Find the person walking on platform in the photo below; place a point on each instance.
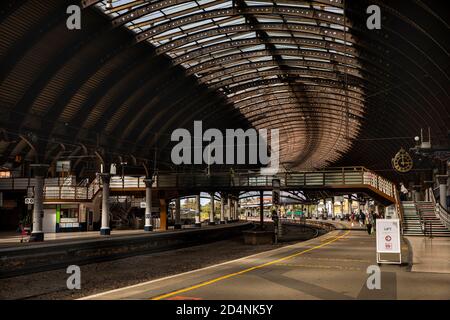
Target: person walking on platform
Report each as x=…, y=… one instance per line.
x=362, y=218
x=352, y=218
x=369, y=223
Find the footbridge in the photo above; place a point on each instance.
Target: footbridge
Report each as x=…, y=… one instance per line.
x=337, y=180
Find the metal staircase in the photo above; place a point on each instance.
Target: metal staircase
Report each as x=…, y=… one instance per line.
x=419, y=218
x=432, y=223
x=411, y=219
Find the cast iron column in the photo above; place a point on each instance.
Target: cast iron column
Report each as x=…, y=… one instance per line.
x=211, y=212
x=198, y=211
x=39, y=172
x=177, y=213
x=222, y=208
x=105, y=230
x=148, y=205
x=229, y=209
x=261, y=209
x=442, y=180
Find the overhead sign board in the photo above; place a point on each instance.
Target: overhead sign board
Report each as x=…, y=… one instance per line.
x=388, y=238
x=63, y=166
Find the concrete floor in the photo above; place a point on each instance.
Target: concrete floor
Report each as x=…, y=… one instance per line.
x=333, y=266
x=108, y=275
x=430, y=255
x=12, y=239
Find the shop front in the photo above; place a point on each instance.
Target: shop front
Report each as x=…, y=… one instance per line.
x=66, y=218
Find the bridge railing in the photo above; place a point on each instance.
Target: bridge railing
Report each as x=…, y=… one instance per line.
x=342, y=176
x=67, y=189
x=72, y=192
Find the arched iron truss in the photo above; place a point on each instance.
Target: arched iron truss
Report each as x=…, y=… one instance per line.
x=234, y=47
x=140, y=68
x=300, y=66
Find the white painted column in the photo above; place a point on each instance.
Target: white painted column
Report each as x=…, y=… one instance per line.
x=222, y=208
x=177, y=213
x=332, y=208
x=39, y=172
x=442, y=180
x=148, y=205
x=211, y=212
x=105, y=230
x=350, y=202
x=198, y=223
x=229, y=208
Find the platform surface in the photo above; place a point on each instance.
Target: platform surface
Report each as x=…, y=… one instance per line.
x=430, y=255
x=333, y=266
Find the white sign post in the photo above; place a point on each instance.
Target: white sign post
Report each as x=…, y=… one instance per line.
x=388, y=239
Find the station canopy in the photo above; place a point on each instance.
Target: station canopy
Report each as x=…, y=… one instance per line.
x=288, y=64
x=341, y=94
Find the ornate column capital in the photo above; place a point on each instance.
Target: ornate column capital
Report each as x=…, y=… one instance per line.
x=148, y=182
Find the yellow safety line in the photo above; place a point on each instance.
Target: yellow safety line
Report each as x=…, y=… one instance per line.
x=246, y=270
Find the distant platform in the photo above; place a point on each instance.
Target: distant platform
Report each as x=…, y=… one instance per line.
x=13, y=239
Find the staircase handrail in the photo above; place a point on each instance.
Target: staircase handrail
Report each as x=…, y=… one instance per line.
x=345, y=175
x=442, y=213
x=423, y=222
x=399, y=208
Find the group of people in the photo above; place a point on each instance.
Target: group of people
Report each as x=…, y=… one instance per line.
x=367, y=219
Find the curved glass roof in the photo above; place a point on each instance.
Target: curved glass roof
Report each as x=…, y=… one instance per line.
x=286, y=64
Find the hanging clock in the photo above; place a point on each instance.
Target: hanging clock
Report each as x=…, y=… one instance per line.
x=402, y=161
